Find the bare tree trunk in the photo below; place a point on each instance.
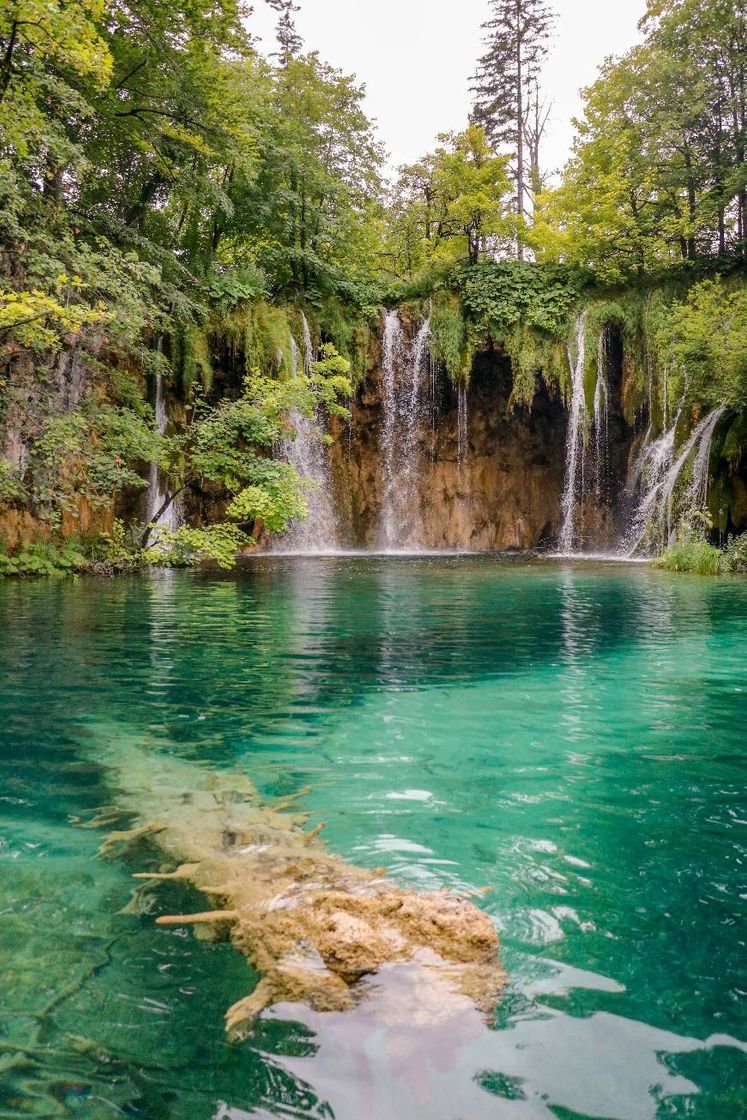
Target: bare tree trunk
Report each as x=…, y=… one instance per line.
x=519, y=132
x=6, y=67
x=168, y=500
x=691, y=204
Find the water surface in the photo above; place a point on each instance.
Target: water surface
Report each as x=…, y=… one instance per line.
x=569, y=735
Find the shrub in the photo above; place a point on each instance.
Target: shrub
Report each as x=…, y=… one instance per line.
x=734, y=556
x=43, y=558
x=690, y=554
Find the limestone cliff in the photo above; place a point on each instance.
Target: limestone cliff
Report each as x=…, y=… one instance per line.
x=498, y=486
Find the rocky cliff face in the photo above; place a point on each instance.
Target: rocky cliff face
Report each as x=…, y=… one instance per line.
x=498, y=486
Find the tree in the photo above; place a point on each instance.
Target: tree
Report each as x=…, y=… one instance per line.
x=306, y=210
x=658, y=173
x=228, y=445
x=450, y=206
x=289, y=40
x=506, y=86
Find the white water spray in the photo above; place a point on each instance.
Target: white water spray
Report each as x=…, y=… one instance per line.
x=601, y=416
x=656, y=475
x=406, y=382
x=462, y=427
x=172, y=516
x=307, y=452
x=574, y=440
x=698, y=493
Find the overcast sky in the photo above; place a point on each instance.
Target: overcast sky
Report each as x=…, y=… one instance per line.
x=415, y=58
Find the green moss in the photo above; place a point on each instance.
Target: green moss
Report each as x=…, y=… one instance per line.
x=449, y=334
x=350, y=331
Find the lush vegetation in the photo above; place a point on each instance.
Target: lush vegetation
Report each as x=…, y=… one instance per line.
x=658, y=176
x=166, y=195
x=171, y=202
x=691, y=552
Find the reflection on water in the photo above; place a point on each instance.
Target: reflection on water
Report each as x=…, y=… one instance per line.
x=371, y=1065
x=569, y=736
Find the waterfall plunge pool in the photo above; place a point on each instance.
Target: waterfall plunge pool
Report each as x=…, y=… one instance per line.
x=570, y=735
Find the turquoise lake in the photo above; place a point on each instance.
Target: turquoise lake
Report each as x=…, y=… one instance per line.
x=570, y=735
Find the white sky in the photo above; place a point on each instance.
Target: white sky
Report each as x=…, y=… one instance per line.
x=416, y=56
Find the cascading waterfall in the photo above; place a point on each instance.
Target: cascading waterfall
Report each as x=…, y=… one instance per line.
x=406, y=393
x=320, y=532
x=574, y=457
x=651, y=467
x=308, y=345
x=392, y=345
x=587, y=474
x=462, y=427
x=656, y=474
x=172, y=516
x=698, y=493
x=601, y=416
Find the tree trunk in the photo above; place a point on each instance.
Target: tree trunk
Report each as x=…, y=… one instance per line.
x=519, y=132
x=691, y=205
x=159, y=514
x=6, y=67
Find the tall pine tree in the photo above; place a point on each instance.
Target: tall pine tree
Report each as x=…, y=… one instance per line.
x=505, y=84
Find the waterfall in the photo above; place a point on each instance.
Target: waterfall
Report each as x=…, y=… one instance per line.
x=574, y=457
x=308, y=345
x=699, y=485
x=601, y=417
x=406, y=392
x=462, y=426
x=294, y=357
x=651, y=467
x=172, y=516
x=656, y=474
x=390, y=357
x=587, y=475
x=308, y=454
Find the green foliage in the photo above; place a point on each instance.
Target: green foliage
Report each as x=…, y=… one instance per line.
x=44, y=558
x=734, y=556
x=187, y=546
x=351, y=332
x=11, y=484
x=523, y=308
x=159, y=181
x=228, y=444
x=38, y=320
x=168, y=198
x=701, y=342
x=499, y=295
x=508, y=102
x=275, y=503
x=116, y=550
x=330, y=381
x=451, y=206
x=690, y=553
x=658, y=171
x=87, y=453
x=190, y=357
x=448, y=330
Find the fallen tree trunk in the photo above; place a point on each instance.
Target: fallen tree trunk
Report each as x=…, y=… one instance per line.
x=311, y=924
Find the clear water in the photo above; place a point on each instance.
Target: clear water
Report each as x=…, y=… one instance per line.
x=570, y=735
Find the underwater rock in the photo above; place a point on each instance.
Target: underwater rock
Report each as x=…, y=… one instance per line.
x=311, y=924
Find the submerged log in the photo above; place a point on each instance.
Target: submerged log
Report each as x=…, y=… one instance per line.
x=311, y=924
